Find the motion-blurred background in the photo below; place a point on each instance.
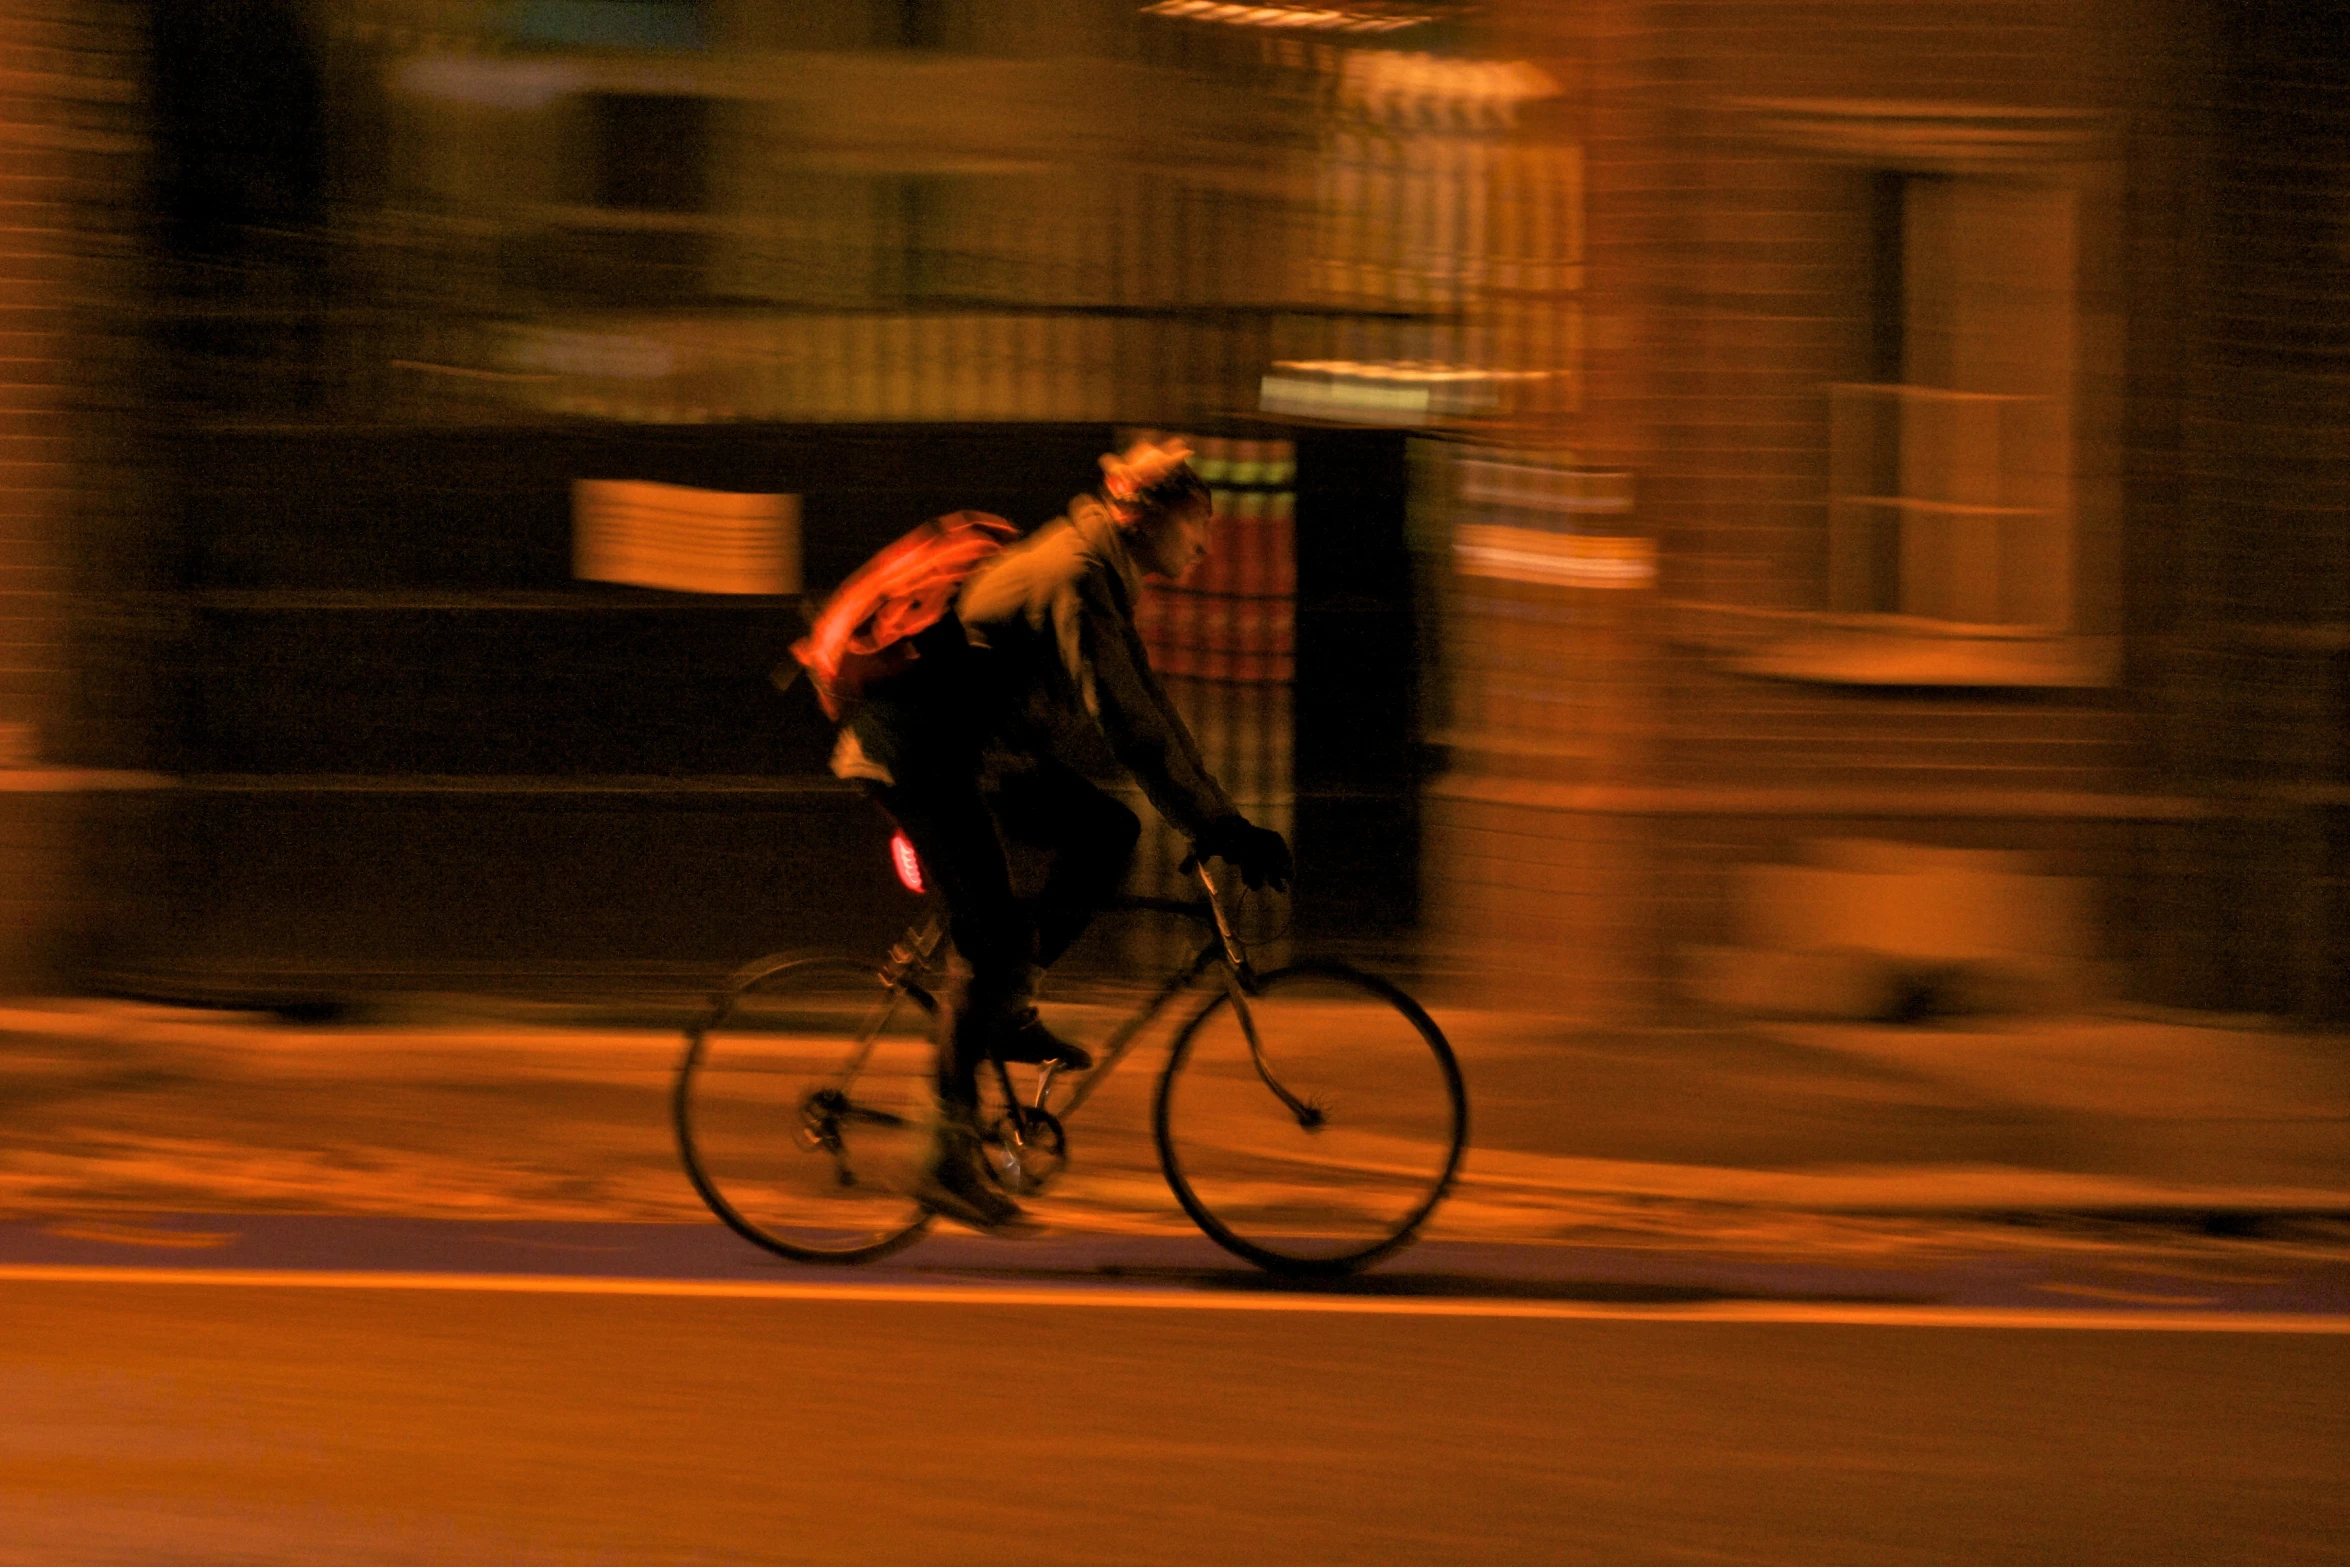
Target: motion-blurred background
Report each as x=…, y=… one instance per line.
x=1833, y=508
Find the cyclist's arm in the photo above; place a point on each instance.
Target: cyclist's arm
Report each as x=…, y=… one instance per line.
x=1122, y=695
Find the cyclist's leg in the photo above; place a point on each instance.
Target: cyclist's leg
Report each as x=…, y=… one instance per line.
x=950, y=827
x=1089, y=834
x=943, y=815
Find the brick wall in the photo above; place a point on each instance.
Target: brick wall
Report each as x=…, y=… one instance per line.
x=67, y=93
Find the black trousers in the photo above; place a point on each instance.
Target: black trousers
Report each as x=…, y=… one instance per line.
x=960, y=829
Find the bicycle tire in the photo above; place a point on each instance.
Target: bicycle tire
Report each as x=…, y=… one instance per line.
x=1319, y=1200
x=811, y=1178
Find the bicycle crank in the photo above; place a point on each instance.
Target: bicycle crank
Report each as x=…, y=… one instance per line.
x=1025, y=1153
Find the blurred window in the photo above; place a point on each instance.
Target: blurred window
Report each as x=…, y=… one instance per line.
x=1950, y=492
x=607, y=24
x=1929, y=510
x=652, y=152
x=639, y=230
x=1971, y=511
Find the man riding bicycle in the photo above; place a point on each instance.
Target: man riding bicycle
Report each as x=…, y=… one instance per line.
x=965, y=747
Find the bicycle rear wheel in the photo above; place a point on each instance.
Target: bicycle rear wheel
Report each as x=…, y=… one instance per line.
x=1346, y=1169
x=802, y=1108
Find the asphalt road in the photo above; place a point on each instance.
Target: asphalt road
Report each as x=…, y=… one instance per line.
x=442, y=1297
x=560, y=1421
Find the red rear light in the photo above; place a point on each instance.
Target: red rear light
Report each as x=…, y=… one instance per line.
x=908, y=863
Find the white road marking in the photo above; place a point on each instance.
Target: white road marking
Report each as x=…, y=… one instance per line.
x=1140, y=1299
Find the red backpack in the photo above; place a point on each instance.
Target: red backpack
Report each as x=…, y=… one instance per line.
x=866, y=631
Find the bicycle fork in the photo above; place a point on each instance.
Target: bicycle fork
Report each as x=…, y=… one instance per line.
x=1240, y=982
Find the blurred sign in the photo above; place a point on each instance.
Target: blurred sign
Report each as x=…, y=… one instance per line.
x=1387, y=393
x=695, y=541
x=1531, y=484
x=1583, y=560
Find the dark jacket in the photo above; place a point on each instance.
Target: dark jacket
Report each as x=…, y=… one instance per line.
x=1052, y=654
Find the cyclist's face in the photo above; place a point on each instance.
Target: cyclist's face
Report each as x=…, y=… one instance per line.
x=1169, y=543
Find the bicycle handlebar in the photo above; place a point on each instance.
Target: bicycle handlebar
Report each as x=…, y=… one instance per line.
x=1207, y=910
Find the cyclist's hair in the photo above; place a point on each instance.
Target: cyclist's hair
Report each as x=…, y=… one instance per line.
x=1149, y=477
x=1180, y=488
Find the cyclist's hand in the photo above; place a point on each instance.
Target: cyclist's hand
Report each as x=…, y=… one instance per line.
x=1260, y=853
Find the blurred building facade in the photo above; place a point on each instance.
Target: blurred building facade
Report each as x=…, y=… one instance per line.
x=1971, y=413
x=1871, y=515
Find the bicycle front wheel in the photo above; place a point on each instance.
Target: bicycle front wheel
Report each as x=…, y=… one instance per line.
x=1324, y=1145
x=802, y=1108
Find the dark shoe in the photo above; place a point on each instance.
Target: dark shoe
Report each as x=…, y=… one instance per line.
x=955, y=1187
x=1026, y=1040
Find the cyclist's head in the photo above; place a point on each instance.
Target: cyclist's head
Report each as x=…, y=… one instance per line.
x=1161, y=505
x=1151, y=477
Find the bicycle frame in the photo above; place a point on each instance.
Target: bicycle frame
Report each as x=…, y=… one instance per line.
x=919, y=947
x=1123, y=1040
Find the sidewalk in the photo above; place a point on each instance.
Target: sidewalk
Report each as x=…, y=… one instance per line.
x=1783, y=1134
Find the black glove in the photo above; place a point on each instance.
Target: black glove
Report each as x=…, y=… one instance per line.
x=1261, y=853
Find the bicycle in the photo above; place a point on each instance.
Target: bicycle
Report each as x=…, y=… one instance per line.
x=1308, y=1119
